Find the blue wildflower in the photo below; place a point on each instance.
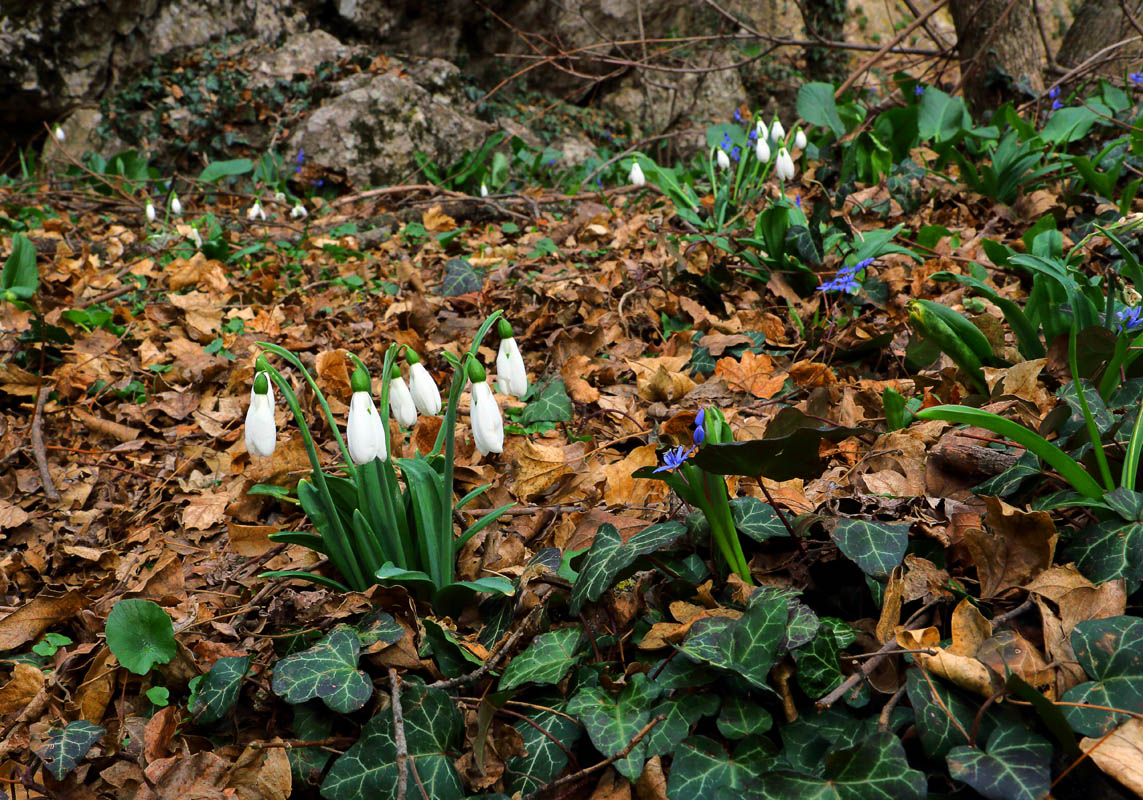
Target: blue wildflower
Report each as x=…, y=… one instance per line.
x=1136, y=78
x=798, y=201
x=753, y=134
x=700, y=429
x=736, y=153
x=737, y=115
x=727, y=143
x=1054, y=92
x=673, y=459
x=918, y=90
x=301, y=159
x=1130, y=318
x=846, y=279
x=1057, y=105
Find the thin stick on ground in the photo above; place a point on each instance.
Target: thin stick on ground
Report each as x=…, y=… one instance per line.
x=494, y=658
x=38, y=449
x=399, y=734
x=583, y=773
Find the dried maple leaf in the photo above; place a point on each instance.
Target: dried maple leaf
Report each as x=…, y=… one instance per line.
x=752, y=373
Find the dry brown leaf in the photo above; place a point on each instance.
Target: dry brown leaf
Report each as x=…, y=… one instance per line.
x=98, y=686
x=811, y=373
x=250, y=541
x=891, y=606
x=957, y=662
x=1017, y=546
x=574, y=372
x=205, y=510
x=261, y=774
x=12, y=516
x=436, y=221
x=1120, y=755
x=538, y=467
x=31, y=621
x=1077, y=598
x=25, y=683
x=623, y=490
x=158, y=733
x=753, y=374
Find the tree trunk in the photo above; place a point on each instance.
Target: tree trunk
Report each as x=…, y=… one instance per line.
x=1099, y=24
x=1001, y=55
x=825, y=19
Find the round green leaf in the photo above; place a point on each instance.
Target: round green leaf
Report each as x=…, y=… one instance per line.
x=140, y=635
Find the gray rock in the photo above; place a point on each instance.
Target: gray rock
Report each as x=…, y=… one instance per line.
x=298, y=55
x=371, y=131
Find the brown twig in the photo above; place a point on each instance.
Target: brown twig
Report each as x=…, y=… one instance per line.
x=38, y=450
x=575, y=776
x=896, y=40
x=493, y=658
x=399, y=734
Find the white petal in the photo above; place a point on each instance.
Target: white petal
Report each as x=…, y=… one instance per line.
x=261, y=432
x=176, y=206
x=485, y=420
x=722, y=158
x=150, y=212
x=483, y=190
x=637, y=176
x=762, y=150
x=401, y=403
x=777, y=133
x=426, y=395
x=363, y=429
x=760, y=129
x=800, y=139
x=511, y=374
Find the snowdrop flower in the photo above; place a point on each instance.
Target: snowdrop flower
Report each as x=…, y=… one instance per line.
x=149, y=211
x=364, y=431
x=784, y=166
x=636, y=175
x=760, y=129
x=426, y=395
x=299, y=211
x=261, y=433
x=800, y=139
x=176, y=206
x=484, y=416
x=255, y=212
x=511, y=376
x=722, y=158
x=195, y=237
x=777, y=132
x=401, y=403
x=483, y=189
x=59, y=134
x=762, y=150
x=280, y=197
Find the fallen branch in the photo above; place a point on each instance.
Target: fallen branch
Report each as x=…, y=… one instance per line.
x=399, y=734
x=494, y=658
x=38, y=449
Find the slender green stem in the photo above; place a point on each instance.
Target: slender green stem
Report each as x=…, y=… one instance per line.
x=1092, y=427
x=296, y=363
x=1134, y=450
x=340, y=549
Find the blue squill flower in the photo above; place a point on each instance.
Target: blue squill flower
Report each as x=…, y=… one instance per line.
x=673, y=459
x=1136, y=78
x=1130, y=318
x=918, y=90
x=301, y=159
x=737, y=115
x=700, y=430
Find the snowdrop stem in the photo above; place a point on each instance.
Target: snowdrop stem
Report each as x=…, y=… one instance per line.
x=297, y=364
x=341, y=551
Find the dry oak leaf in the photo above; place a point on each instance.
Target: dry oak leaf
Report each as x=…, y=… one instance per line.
x=574, y=372
x=538, y=467
x=1077, y=598
x=12, y=516
x=205, y=510
x=1120, y=755
x=811, y=373
x=25, y=684
x=753, y=374
x=1017, y=546
x=623, y=490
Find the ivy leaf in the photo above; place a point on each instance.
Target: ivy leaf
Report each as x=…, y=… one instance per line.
x=703, y=768
x=1013, y=766
x=747, y=646
x=66, y=746
x=876, y=547
x=811, y=737
x=681, y=714
x=312, y=723
x=875, y=769
x=546, y=660
x=756, y=519
x=942, y=716
x=369, y=768
x=552, y=404
x=460, y=277
x=610, y=556
x=741, y=718
x=451, y=656
x=612, y=722
x=819, y=666
x=379, y=628
x=327, y=670
x=218, y=691
x=1108, y=550
x=1110, y=651
x=140, y=635
x=545, y=758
